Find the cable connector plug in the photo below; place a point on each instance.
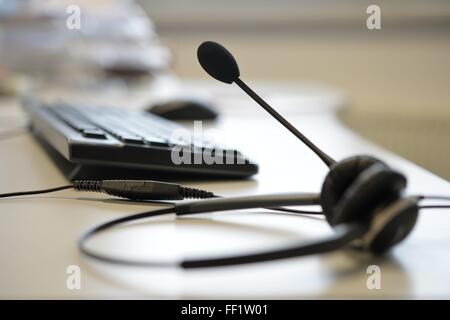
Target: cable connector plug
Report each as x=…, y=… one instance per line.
x=142, y=189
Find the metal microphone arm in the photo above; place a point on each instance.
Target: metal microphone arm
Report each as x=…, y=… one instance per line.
x=322, y=155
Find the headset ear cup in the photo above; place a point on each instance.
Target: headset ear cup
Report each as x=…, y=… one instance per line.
x=374, y=187
x=339, y=179
x=395, y=227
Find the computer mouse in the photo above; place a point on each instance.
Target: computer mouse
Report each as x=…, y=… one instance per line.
x=184, y=109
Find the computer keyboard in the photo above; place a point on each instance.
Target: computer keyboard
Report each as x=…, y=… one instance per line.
x=115, y=140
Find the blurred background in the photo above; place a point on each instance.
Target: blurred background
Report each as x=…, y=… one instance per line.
x=396, y=80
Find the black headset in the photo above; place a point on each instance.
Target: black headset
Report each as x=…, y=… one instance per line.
x=361, y=197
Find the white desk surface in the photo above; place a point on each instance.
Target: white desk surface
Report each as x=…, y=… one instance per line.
x=39, y=233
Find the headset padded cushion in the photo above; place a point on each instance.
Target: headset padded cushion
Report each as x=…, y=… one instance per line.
x=373, y=188
x=397, y=228
x=339, y=178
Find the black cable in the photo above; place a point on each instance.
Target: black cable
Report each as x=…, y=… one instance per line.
x=435, y=207
x=283, y=209
x=140, y=190
x=434, y=197
x=26, y=193
x=129, y=189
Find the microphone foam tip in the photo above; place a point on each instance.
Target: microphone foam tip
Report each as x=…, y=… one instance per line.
x=218, y=62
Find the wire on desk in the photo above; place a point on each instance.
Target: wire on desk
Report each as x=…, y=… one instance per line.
x=95, y=186
x=432, y=197
x=435, y=207
x=27, y=193
x=283, y=209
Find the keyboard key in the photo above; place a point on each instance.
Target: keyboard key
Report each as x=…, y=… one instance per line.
x=127, y=137
x=156, y=141
x=73, y=120
x=94, y=133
